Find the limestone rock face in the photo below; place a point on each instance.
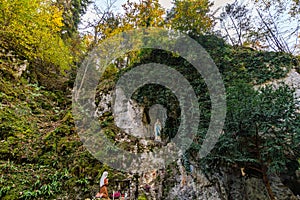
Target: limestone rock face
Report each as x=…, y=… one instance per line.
x=128, y=115
x=226, y=184
x=104, y=105
x=281, y=191
x=293, y=80
x=179, y=184
x=193, y=186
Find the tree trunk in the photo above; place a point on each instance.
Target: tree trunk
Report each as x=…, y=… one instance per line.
x=263, y=166
x=267, y=183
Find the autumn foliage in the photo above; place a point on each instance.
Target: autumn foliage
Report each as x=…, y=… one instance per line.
x=32, y=30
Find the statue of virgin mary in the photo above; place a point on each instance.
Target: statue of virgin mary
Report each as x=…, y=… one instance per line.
x=157, y=130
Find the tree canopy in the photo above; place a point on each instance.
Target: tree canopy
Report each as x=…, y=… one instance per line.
x=72, y=11
x=262, y=24
x=32, y=30
x=191, y=16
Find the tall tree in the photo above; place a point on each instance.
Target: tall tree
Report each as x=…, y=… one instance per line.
x=72, y=12
x=32, y=30
x=191, y=16
x=274, y=25
x=146, y=13
x=102, y=25
x=262, y=132
x=277, y=28
x=142, y=14
x=236, y=22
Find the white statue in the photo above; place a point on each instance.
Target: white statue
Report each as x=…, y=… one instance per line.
x=157, y=130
